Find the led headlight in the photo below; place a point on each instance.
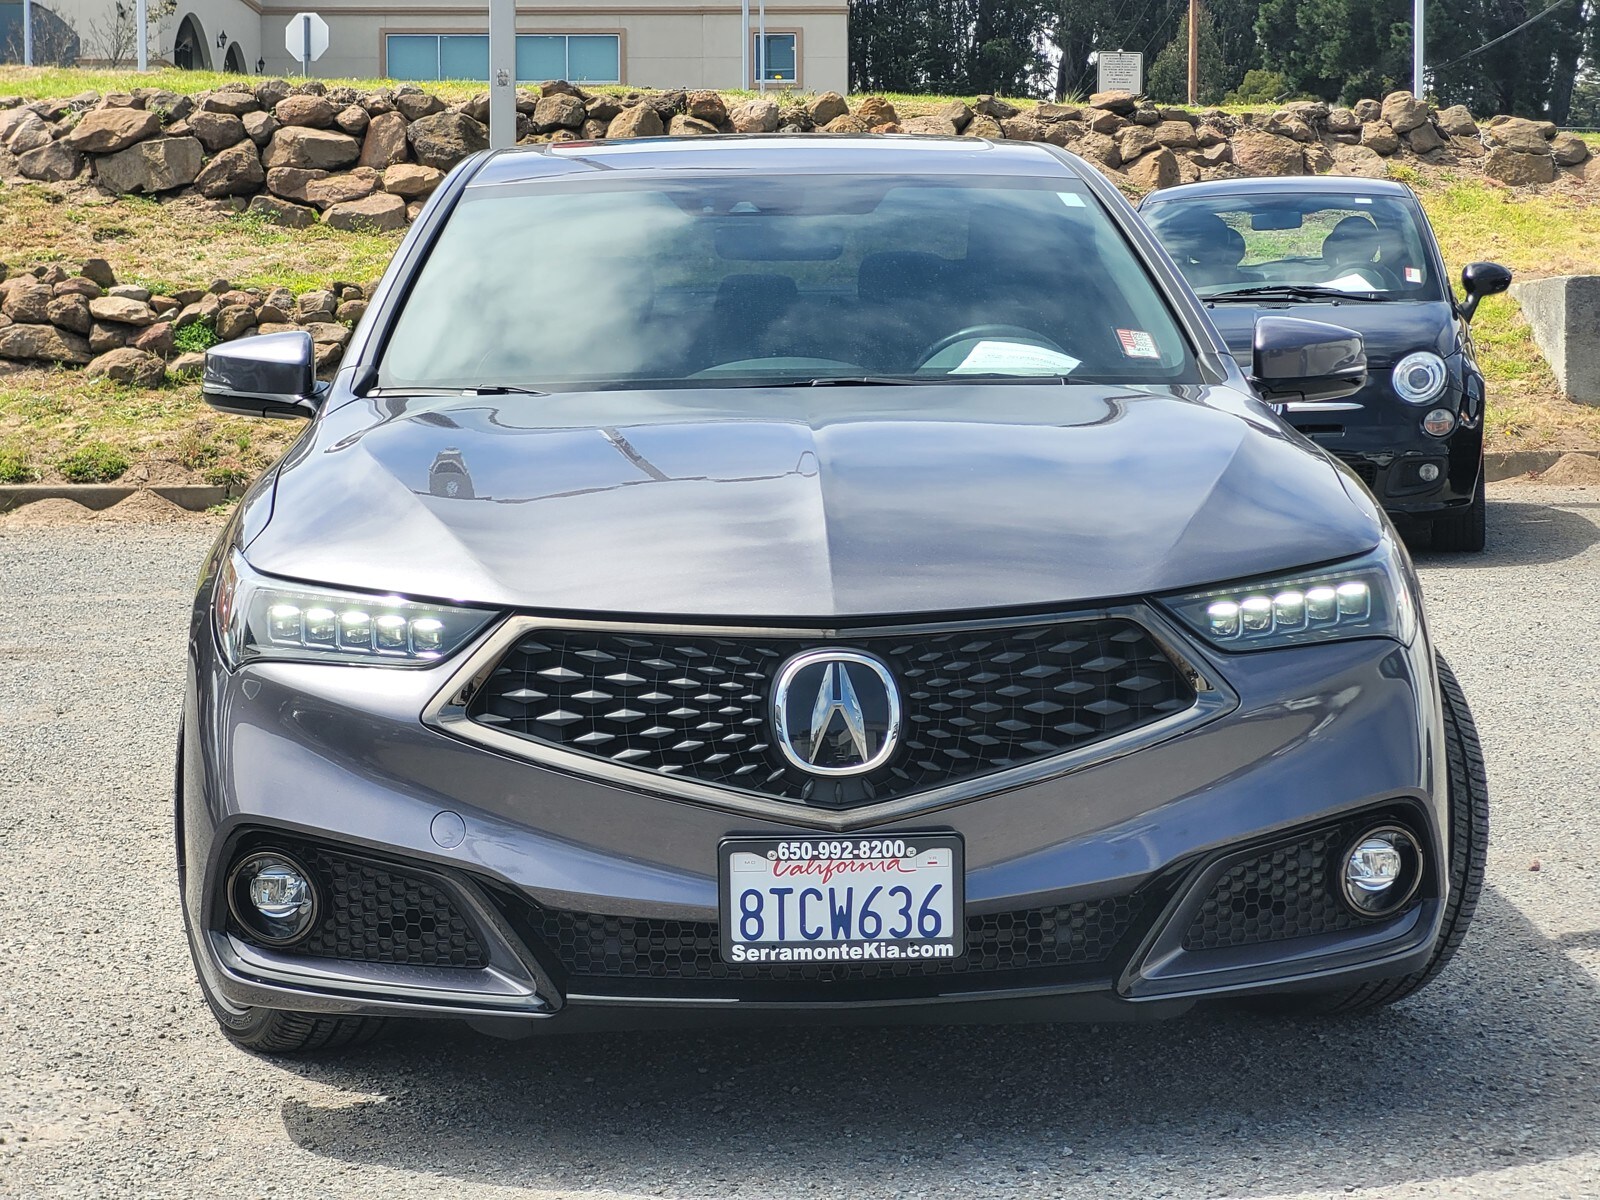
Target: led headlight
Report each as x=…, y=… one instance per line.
x=259, y=618
x=1419, y=378
x=1366, y=597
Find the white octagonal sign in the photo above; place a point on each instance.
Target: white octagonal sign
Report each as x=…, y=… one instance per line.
x=306, y=37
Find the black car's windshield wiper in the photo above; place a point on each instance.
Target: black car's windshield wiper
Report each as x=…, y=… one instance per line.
x=1298, y=291
x=485, y=389
x=908, y=380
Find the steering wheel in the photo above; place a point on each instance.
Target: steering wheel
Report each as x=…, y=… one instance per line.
x=985, y=331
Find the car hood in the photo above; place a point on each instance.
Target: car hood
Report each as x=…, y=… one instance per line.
x=1390, y=328
x=803, y=502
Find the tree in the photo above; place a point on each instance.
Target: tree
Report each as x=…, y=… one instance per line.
x=1167, y=81
x=113, y=36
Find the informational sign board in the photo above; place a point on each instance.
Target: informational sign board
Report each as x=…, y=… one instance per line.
x=306, y=37
x=1121, y=71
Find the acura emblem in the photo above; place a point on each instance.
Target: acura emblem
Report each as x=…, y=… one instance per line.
x=837, y=712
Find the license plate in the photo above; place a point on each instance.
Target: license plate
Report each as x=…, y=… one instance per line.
x=842, y=899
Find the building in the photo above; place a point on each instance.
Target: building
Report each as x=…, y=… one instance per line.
x=642, y=43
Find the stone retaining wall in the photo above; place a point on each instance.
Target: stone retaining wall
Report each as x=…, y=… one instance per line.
x=296, y=154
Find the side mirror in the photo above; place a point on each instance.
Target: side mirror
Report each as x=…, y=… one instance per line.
x=1295, y=359
x=270, y=375
x=1481, y=279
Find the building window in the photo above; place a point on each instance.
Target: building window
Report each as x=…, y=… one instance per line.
x=580, y=58
x=780, y=64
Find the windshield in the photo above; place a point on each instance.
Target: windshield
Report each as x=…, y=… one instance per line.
x=1366, y=246
x=719, y=281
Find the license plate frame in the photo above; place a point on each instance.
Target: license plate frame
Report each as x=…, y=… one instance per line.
x=948, y=944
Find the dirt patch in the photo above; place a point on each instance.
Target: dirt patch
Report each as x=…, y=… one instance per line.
x=162, y=471
x=54, y=511
x=1572, y=470
x=144, y=508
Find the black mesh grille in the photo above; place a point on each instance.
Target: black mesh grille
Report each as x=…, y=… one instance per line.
x=698, y=707
x=593, y=946
x=375, y=913
x=1365, y=468
x=1290, y=891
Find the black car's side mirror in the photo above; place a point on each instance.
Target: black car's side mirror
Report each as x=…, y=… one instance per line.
x=1480, y=279
x=1295, y=359
x=271, y=375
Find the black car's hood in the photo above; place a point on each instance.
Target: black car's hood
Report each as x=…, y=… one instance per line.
x=813, y=503
x=1391, y=328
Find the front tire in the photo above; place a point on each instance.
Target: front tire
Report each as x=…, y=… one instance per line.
x=1469, y=841
x=1467, y=532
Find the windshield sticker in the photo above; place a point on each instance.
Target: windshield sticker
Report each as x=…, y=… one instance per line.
x=1363, y=200
x=1413, y=275
x=1136, y=343
x=1014, y=358
x=1071, y=199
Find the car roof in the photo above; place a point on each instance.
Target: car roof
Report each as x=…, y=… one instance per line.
x=1281, y=184
x=781, y=153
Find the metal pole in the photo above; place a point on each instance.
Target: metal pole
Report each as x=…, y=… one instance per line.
x=502, y=74
x=1194, y=51
x=1417, y=39
x=27, y=33
x=744, y=54
x=305, y=45
x=141, y=34
x=761, y=49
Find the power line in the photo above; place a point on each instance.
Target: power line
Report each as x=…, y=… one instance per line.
x=1496, y=41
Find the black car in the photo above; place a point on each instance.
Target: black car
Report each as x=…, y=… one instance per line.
x=1358, y=253
x=853, y=613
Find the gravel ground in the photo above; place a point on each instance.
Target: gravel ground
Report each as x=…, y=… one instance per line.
x=114, y=1081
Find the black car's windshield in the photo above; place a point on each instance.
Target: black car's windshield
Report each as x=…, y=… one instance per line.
x=724, y=281
x=1300, y=245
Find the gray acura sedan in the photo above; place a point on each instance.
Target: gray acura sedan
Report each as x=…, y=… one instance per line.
x=806, y=579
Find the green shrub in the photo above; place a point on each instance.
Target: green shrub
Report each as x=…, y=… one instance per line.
x=1258, y=87
x=195, y=337
x=93, y=462
x=15, y=466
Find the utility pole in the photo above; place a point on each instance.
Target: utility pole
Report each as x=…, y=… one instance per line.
x=1416, y=48
x=141, y=34
x=1194, y=51
x=27, y=33
x=502, y=74
x=744, y=56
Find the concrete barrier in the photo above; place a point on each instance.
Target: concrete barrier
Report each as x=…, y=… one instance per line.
x=1564, y=315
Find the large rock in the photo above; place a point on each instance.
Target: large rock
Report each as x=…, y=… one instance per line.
x=1180, y=135
x=291, y=182
x=753, y=116
x=941, y=126
x=218, y=131
x=122, y=310
x=1380, y=137
x=281, y=212
x=686, y=126
x=318, y=149
x=1404, y=112
x=379, y=212
x=135, y=368
x=98, y=270
x=233, y=103
x=237, y=171
x=706, y=106
x=414, y=103
x=157, y=338
x=1259, y=153
x=1568, y=149
x=411, y=181
x=313, y=112
x=957, y=112
x=993, y=106
x=1424, y=139
x=55, y=163
x=27, y=300
x=1518, y=169
x=157, y=165
x=29, y=134
x=234, y=321
x=1342, y=120
x=107, y=130
x=342, y=188
x=444, y=139
x=1367, y=110
x=1519, y=134
x=70, y=312
x=642, y=121
x=1134, y=141
x=558, y=112
x=352, y=119
x=260, y=126
x=1121, y=103
x=43, y=343
x=1456, y=121
x=385, y=143
x=1158, y=169
x=1361, y=161
x=1098, y=148
x=827, y=107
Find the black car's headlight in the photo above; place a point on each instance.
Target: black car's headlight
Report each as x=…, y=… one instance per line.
x=1366, y=597
x=1420, y=377
x=258, y=617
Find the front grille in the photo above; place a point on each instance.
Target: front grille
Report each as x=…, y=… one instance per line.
x=974, y=701
x=379, y=914
x=1288, y=891
x=1365, y=469
x=592, y=946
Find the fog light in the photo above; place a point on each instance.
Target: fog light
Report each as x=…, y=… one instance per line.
x=1439, y=422
x=1381, y=871
x=1428, y=472
x=273, y=897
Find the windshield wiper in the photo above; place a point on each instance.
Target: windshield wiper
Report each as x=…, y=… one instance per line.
x=1298, y=291
x=487, y=389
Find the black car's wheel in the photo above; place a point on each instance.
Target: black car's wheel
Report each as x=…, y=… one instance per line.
x=1466, y=532
x=1469, y=841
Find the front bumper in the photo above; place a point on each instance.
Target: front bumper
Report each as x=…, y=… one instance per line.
x=591, y=900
